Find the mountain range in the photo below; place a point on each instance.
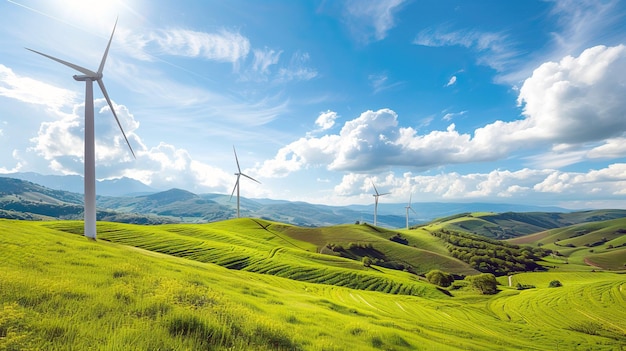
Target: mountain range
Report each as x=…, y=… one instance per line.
x=128, y=200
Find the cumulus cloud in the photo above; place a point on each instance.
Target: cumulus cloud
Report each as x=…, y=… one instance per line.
x=61, y=141
x=165, y=166
x=578, y=99
x=326, y=120
x=536, y=185
x=365, y=16
x=571, y=102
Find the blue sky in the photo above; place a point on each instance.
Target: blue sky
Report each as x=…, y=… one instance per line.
x=484, y=101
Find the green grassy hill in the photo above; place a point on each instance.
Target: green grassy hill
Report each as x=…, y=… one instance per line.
x=514, y=224
x=268, y=248
x=597, y=244
x=60, y=291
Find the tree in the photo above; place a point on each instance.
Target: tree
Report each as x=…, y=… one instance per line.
x=486, y=283
x=367, y=261
x=440, y=278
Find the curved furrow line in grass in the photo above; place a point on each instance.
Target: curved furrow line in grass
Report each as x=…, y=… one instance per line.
x=203, y=233
x=177, y=241
x=567, y=312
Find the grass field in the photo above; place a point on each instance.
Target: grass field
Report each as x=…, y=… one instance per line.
x=595, y=245
x=151, y=288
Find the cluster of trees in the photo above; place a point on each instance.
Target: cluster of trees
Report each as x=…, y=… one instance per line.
x=485, y=283
x=440, y=278
x=489, y=255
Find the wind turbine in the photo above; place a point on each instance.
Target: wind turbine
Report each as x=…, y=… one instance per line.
x=89, y=77
x=239, y=174
x=376, y=202
x=408, y=207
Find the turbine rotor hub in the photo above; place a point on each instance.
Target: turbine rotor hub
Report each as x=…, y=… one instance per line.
x=83, y=78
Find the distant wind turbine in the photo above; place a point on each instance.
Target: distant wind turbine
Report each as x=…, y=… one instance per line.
x=89, y=77
x=239, y=174
x=376, y=202
x=408, y=207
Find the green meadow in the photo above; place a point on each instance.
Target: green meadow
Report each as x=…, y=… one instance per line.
x=258, y=285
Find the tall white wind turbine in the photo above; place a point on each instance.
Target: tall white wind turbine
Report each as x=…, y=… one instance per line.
x=376, y=196
x=239, y=174
x=408, y=207
x=89, y=77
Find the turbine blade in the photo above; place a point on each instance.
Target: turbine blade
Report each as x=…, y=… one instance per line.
x=247, y=176
x=234, y=188
x=106, y=96
x=383, y=194
x=106, y=52
x=376, y=190
x=68, y=64
x=236, y=159
x=413, y=210
x=410, y=197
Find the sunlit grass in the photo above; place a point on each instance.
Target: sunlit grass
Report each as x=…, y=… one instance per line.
x=60, y=291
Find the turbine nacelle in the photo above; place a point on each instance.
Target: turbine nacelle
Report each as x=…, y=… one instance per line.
x=84, y=77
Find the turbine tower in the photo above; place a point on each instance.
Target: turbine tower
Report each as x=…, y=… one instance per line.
x=376, y=195
x=89, y=77
x=239, y=174
x=408, y=207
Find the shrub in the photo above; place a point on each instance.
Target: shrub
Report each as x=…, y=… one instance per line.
x=367, y=261
x=555, y=284
x=524, y=286
x=440, y=278
x=486, y=283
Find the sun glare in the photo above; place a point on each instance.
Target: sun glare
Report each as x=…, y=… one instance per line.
x=93, y=14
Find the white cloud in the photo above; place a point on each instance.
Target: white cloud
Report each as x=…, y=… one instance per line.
x=378, y=16
x=494, y=49
x=582, y=22
x=612, y=148
x=525, y=185
x=326, y=120
x=32, y=91
x=572, y=102
x=265, y=58
x=165, y=166
x=297, y=69
x=450, y=115
x=578, y=99
x=60, y=142
x=222, y=46
x=452, y=81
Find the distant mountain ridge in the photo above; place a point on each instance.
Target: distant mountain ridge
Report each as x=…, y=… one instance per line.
x=74, y=183
x=177, y=205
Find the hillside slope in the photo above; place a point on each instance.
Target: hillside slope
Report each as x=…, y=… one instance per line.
x=61, y=291
x=597, y=244
x=513, y=224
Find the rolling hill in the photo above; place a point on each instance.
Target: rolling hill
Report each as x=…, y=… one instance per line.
x=599, y=245
x=150, y=287
x=512, y=224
